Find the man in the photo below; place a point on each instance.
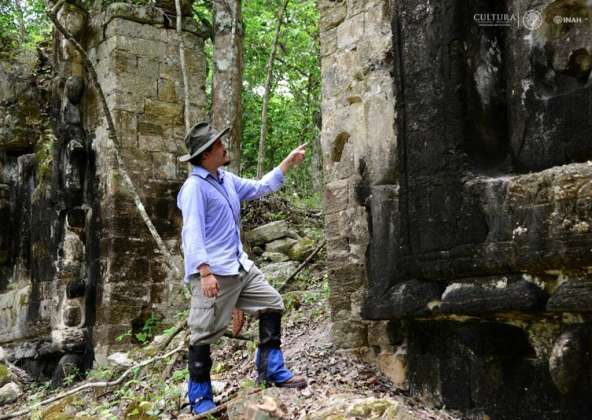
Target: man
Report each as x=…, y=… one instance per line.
x=219, y=273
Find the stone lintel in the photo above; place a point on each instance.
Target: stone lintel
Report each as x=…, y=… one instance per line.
x=494, y=296
x=411, y=298
x=575, y=295
x=535, y=223
x=473, y=299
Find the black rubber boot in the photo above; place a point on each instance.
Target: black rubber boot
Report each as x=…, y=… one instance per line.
x=270, y=360
x=270, y=332
x=199, y=362
x=199, y=387
x=270, y=329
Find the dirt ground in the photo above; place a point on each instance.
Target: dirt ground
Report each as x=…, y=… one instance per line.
x=334, y=376
x=337, y=379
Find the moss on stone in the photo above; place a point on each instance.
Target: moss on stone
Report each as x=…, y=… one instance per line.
x=542, y=335
x=44, y=157
x=369, y=409
x=23, y=300
x=4, y=374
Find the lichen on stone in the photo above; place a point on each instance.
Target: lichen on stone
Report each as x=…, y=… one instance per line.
x=44, y=156
x=542, y=335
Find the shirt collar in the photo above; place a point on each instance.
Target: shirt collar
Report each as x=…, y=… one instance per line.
x=203, y=173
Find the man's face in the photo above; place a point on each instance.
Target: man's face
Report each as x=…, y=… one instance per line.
x=218, y=155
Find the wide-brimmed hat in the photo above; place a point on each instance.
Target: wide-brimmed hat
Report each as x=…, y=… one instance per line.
x=199, y=138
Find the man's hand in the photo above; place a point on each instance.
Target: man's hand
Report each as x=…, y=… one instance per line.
x=209, y=286
x=295, y=157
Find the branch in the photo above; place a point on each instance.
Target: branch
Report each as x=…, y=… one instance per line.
x=179, y=326
x=208, y=26
x=92, y=385
x=290, y=66
x=167, y=371
x=56, y=8
x=304, y=263
x=165, y=344
x=52, y=13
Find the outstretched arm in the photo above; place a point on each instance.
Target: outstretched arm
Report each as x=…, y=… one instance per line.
x=271, y=182
x=294, y=158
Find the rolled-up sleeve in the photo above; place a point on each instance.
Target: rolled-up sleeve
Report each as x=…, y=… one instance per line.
x=191, y=204
x=249, y=189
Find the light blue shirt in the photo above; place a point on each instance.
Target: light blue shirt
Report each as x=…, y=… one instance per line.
x=211, y=218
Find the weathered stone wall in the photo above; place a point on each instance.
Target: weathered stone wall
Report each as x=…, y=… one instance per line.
x=137, y=61
x=43, y=154
x=78, y=267
x=359, y=147
x=481, y=268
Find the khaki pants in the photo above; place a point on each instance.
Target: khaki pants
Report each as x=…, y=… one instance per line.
x=249, y=292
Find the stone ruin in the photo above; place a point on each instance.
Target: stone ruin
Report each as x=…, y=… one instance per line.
x=78, y=267
x=459, y=198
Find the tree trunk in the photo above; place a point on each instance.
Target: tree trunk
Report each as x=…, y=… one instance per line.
x=179, y=25
x=316, y=164
x=228, y=74
x=20, y=17
x=267, y=91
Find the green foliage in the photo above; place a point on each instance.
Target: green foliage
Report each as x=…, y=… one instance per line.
x=121, y=337
x=23, y=25
x=149, y=329
x=72, y=376
x=310, y=200
x=180, y=375
x=247, y=384
x=182, y=314
x=4, y=374
x=35, y=394
x=295, y=101
x=251, y=347
x=218, y=367
x=146, y=333
x=100, y=374
x=169, y=331
x=291, y=301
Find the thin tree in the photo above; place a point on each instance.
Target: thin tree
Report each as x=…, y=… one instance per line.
x=228, y=74
x=19, y=15
x=267, y=91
